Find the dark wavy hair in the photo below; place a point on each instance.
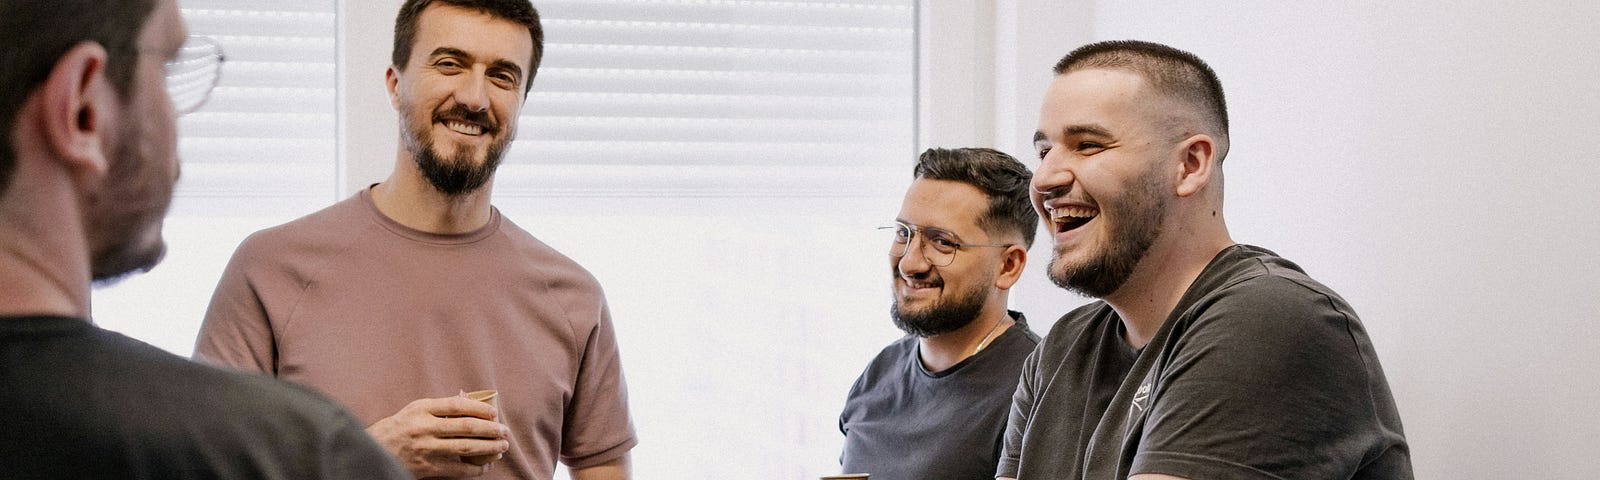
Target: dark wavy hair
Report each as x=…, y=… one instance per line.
x=1002, y=178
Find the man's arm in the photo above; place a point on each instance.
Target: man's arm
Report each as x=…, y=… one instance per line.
x=1021, y=407
x=617, y=469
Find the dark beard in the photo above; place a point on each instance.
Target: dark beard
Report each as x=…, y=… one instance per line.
x=1130, y=239
x=456, y=174
x=130, y=207
x=942, y=317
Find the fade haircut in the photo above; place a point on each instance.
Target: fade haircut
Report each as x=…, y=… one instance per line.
x=520, y=12
x=41, y=31
x=1172, y=72
x=1002, y=178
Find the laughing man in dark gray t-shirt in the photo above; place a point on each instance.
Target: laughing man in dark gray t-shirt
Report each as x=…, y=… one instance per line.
x=1204, y=359
x=933, y=404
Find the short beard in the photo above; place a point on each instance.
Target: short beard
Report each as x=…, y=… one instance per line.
x=129, y=212
x=455, y=175
x=1129, y=240
x=458, y=175
x=942, y=317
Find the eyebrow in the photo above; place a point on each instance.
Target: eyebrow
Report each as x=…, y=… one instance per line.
x=926, y=228
x=456, y=52
x=1071, y=130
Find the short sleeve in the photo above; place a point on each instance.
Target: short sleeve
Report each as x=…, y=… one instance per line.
x=598, y=428
x=1266, y=384
x=236, y=331
x=1017, y=423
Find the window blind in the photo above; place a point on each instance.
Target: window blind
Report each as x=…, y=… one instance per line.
x=716, y=98
x=269, y=129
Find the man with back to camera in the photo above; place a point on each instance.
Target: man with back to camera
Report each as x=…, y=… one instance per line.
x=933, y=404
x=415, y=289
x=1204, y=359
x=88, y=160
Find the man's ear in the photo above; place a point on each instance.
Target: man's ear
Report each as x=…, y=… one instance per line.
x=1011, y=265
x=76, y=108
x=391, y=78
x=1197, y=165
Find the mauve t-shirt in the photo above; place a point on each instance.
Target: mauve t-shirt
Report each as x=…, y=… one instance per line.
x=376, y=315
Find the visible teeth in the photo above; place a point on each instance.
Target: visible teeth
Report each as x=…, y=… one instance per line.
x=464, y=128
x=1074, y=212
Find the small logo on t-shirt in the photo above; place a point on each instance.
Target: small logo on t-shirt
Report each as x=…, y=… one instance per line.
x=1140, y=399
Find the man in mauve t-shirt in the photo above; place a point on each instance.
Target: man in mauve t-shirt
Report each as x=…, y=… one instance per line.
x=400, y=298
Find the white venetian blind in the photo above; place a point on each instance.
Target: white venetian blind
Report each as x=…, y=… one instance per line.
x=715, y=97
x=269, y=129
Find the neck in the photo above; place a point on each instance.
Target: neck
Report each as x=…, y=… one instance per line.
x=944, y=350
x=408, y=198
x=1147, y=298
x=44, y=248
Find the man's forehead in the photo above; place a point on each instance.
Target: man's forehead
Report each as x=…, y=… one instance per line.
x=445, y=26
x=1093, y=100
x=947, y=205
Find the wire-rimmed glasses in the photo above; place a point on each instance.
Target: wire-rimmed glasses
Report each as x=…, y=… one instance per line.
x=939, y=247
x=194, y=73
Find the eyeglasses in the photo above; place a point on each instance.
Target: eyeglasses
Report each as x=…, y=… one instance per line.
x=944, y=244
x=194, y=73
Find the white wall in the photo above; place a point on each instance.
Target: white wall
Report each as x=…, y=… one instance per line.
x=1431, y=161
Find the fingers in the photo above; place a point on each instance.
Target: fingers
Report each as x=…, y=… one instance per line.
x=455, y=448
x=455, y=407
x=469, y=427
x=449, y=468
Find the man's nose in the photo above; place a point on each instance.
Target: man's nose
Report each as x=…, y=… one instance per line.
x=1053, y=178
x=914, y=261
x=474, y=92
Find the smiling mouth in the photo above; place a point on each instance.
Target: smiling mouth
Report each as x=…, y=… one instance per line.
x=463, y=128
x=1066, y=219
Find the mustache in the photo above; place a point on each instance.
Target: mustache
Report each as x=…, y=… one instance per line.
x=461, y=113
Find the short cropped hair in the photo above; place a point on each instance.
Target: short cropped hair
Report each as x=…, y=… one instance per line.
x=1002, y=178
x=1170, y=71
x=41, y=31
x=520, y=12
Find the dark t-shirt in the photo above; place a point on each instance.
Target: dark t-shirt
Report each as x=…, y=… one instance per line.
x=1259, y=372
x=903, y=423
x=85, y=403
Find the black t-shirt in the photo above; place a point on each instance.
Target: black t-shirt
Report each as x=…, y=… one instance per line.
x=1259, y=372
x=85, y=403
x=903, y=423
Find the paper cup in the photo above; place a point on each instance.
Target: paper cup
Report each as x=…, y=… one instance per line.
x=489, y=397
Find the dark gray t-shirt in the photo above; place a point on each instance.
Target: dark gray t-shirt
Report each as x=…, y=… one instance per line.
x=903, y=423
x=1259, y=372
x=85, y=403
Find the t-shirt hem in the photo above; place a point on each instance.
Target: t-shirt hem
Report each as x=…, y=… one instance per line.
x=603, y=456
x=1194, y=467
